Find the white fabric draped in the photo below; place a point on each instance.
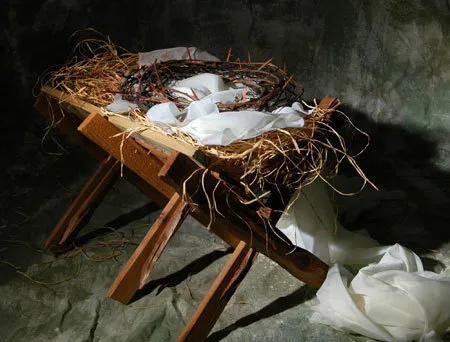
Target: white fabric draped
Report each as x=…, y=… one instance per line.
x=391, y=298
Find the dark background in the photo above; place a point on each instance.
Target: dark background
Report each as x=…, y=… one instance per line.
x=387, y=61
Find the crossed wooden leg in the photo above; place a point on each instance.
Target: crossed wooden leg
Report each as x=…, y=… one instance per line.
x=85, y=203
x=221, y=291
x=136, y=271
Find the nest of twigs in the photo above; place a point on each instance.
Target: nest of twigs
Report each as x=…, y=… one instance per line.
x=270, y=86
x=284, y=158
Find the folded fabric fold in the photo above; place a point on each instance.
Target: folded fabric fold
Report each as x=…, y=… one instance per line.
x=392, y=300
x=203, y=121
x=224, y=128
x=120, y=105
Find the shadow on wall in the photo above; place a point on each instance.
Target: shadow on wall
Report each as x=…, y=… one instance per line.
x=412, y=206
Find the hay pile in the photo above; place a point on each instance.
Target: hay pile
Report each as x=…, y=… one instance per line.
x=283, y=159
x=94, y=72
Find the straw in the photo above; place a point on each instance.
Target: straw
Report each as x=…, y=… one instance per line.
x=284, y=158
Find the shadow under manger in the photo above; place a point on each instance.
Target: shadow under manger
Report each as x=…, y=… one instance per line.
x=279, y=305
x=176, y=278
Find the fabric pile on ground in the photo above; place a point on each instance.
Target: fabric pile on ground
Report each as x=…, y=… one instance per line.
x=378, y=291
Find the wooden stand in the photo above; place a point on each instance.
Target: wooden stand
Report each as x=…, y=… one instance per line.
x=163, y=175
x=85, y=203
x=212, y=305
x=137, y=269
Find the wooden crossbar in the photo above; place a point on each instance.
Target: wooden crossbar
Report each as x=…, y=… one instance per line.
x=108, y=137
x=243, y=223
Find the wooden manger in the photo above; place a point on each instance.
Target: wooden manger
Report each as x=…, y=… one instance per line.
x=158, y=166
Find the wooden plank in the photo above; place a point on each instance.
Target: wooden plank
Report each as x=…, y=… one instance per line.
x=66, y=122
x=241, y=222
x=329, y=102
x=133, y=155
x=201, y=216
x=134, y=274
x=219, y=227
x=82, y=109
x=85, y=203
x=221, y=291
x=160, y=140
x=189, y=179
x=147, y=189
x=161, y=154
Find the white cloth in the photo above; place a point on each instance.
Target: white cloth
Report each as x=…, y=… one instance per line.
x=120, y=105
x=175, y=53
x=224, y=128
x=208, y=126
x=390, y=299
x=311, y=224
x=202, y=119
x=206, y=82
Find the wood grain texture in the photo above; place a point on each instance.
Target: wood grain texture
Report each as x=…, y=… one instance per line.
x=134, y=156
x=243, y=223
x=86, y=202
x=133, y=276
x=80, y=108
x=83, y=109
x=153, y=137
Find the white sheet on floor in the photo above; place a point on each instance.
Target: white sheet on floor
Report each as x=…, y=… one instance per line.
x=391, y=298
x=311, y=223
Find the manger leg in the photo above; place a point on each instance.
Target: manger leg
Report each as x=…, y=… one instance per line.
x=241, y=222
x=85, y=203
x=134, y=274
x=223, y=288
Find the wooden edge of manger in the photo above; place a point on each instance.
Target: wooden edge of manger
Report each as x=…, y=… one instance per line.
x=82, y=109
x=164, y=142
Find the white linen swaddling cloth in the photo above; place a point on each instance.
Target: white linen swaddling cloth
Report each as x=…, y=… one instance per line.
x=390, y=299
